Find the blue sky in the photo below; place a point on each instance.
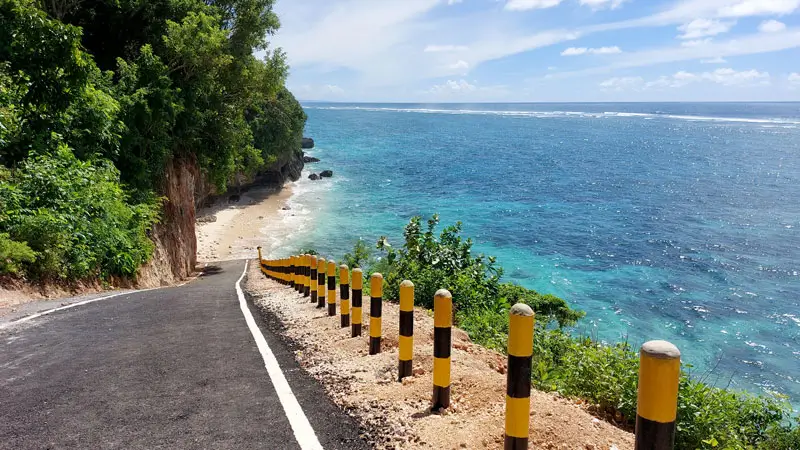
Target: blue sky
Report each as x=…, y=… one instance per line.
x=541, y=50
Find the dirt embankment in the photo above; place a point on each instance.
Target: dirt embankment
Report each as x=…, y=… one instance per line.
x=396, y=415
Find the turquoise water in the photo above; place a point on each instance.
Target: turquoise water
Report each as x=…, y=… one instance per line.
x=661, y=221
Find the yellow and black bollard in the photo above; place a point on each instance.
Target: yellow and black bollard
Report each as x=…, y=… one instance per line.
x=304, y=287
x=657, y=401
x=406, y=337
x=518, y=380
x=298, y=270
x=358, y=280
x=331, y=288
x=442, y=332
x=292, y=272
x=375, y=307
x=307, y=276
x=313, y=276
x=321, y=267
x=344, y=294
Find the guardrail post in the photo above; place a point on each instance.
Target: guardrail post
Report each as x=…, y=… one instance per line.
x=442, y=339
x=306, y=275
x=331, y=288
x=313, y=276
x=518, y=380
x=292, y=272
x=321, y=282
x=375, y=308
x=358, y=279
x=657, y=400
x=406, y=336
x=344, y=294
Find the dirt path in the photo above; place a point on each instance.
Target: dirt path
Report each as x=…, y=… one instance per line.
x=396, y=415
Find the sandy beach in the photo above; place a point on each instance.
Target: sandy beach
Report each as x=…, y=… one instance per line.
x=242, y=226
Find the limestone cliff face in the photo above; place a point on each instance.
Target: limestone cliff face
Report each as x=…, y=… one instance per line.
x=186, y=189
x=286, y=168
x=175, y=244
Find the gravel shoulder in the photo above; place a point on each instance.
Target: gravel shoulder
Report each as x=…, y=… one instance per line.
x=396, y=415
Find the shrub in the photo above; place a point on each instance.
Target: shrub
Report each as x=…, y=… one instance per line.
x=13, y=255
x=74, y=215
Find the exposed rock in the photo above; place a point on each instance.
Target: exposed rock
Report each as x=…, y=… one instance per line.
x=287, y=167
x=310, y=159
x=286, y=208
x=326, y=174
x=307, y=143
x=234, y=198
x=313, y=176
x=207, y=219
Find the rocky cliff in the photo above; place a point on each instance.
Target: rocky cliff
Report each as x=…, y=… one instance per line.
x=186, y=189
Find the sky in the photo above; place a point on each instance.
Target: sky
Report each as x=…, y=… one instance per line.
x=541, y=50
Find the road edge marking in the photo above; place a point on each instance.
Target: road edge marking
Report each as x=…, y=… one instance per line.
x=71, y=305
x=301, y=427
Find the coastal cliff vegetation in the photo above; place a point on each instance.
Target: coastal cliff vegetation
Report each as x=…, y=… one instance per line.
x=599, y=373
x=98, y=98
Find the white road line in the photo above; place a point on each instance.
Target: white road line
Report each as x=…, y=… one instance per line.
x=297, y=419
x=61, y=308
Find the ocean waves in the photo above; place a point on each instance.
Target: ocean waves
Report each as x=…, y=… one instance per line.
x=770, y=121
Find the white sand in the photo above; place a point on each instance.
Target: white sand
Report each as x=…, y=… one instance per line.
x=257, y=219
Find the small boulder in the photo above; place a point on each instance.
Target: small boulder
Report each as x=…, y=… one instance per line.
x=310, y=159
x=307, y=143
x=313, y=176
x=326, y=174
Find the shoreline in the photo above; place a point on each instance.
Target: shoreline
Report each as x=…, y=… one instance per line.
x=241, y=227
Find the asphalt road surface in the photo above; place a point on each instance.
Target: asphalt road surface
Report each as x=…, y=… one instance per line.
x=167, y=368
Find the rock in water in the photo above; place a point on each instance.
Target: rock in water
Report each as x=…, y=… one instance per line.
x=326, y=174
x=310, y=159
x=307, y=143
x=313, y=176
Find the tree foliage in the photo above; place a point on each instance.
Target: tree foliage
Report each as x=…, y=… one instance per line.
x=137, y=83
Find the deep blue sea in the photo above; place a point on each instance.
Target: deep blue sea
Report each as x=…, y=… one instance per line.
x=662, y=221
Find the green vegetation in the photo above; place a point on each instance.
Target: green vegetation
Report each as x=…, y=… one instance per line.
x=97, y=98
x=574, y=366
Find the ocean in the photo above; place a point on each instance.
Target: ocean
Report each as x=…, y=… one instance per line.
x=671, y=221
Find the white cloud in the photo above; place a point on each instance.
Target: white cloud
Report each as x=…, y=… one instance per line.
x=453, y=87
x=622, y=83
x=771, y=26
x=601, y=4
x=794, y=78
x=742, y=45
x=524, y=5
x=699, y=28
x=717, y=60
x=744, y=8
x=575, y=51
x=460, y=65
x=696, y=42
x=445, y=48
x=453, y=2
x=725, y=77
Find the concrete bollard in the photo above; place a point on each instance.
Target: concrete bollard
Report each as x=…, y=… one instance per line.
x=313, y=276
x=657, y=400
x=306, y=275
x=518, y=380
x=358, y=280
x=344, y=294
x=442, y=340
x=321, y=268
x=375, y=308
x=292, y=272
x=406, y=336
x=331, y=288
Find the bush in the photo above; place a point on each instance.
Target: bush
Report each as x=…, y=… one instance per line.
x=13, y=255
x=578, y=367
x=73, y=214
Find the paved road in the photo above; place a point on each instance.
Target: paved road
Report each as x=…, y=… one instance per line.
x=167, y=368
